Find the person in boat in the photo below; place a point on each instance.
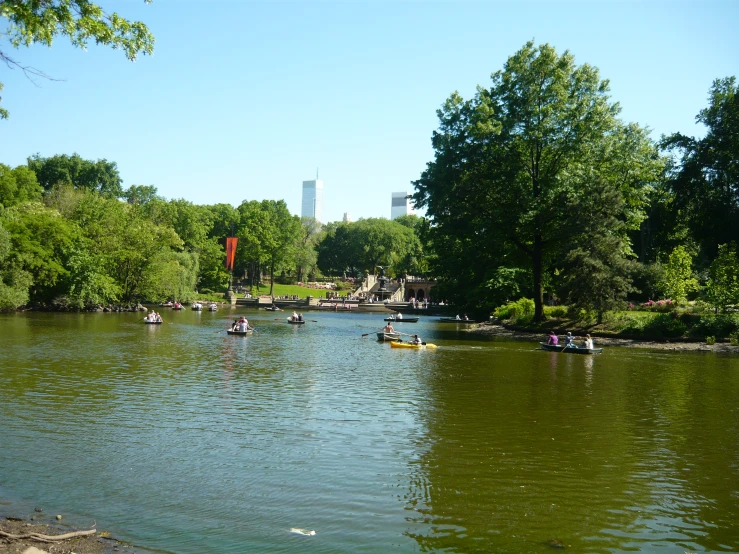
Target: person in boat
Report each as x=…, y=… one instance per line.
x=243, y=325
x=588, y=342
x=458, y=318
x=300, y=317
x=466, y=318
x=553, y=339
x=235, y=325
x=416, y=340
x=399, y=316
x=294, y=317
x=388, y=328
x=569, y=339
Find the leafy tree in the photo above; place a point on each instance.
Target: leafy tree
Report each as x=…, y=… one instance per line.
x=101, y=176
x=40, y=244
x=677, y=275
x=89, y=283
x=723, y=282
x=170, y=275
x=14, y=282
x=18, y=185
x=213, y=273
x=191, y=222
x=34, y=21
x=306, y=256
x=704, y=177
x=140, y=194
x=268, y=234
x=509, y=164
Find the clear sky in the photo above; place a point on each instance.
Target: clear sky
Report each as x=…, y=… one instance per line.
x=243, y=100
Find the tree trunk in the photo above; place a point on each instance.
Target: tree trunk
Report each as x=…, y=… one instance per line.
x=271, y=275
x=538, y=286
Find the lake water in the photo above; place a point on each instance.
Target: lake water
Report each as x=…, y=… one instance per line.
x=179, y=438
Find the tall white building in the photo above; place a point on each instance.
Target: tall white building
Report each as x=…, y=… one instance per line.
x=400, y=205
x=312, y=199
x=347, y=217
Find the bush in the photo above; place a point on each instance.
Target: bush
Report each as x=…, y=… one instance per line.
x=710, y=340
x=723, y=325
x=658, y=326
x=520, y=311
x=555, y=311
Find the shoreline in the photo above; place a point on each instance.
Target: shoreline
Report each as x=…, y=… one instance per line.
x=681, y=345
x=94, y=543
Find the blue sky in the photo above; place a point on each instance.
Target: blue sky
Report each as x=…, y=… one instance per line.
x=243, y=100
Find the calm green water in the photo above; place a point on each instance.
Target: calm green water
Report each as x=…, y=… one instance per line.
x=179, y=438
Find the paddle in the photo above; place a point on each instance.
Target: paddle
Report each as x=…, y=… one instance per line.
x=566, y=345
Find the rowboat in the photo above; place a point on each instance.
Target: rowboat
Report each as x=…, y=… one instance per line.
x=414, y=346
x=454, y=320
x=295, y=321
x=388, y=336
x=152, y=322
x=197, y=306
x=273, y=309
x=402, y=320
x=240, y=333
x=571, y=349
x=213, y=307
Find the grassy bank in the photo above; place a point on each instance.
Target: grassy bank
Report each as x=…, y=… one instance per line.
x=683, y=323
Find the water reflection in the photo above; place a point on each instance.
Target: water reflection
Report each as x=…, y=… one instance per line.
x=169, y=434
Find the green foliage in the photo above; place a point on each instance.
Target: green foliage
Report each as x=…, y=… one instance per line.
x=721, y=325
x=710, y=340
x=677, y=277
x=171, y=275
x=18, y=185
x=89, y=282
x=704, y=174
x=101, y=176
x=515, y=166
x=722, y=289
x=521, y=311
x=655, y=326
x=31, y=21
x=358, y=247
x=14, y=282
x=556, y=311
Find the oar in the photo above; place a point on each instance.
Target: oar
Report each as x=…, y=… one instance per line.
x=372, y=332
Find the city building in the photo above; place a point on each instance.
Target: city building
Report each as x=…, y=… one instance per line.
x=401, y=205
x=347, y=218
x=312, y=199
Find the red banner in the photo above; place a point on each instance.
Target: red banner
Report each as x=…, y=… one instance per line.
x=231, y=252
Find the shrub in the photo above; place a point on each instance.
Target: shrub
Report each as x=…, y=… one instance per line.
x=722, y=325
x=658, y=326
x=710, y=340
x=520, y=311
x=734, y=339
x=555, y=311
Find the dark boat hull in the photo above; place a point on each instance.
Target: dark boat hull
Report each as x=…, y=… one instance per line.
x=153, y=322
x=569, y=349
x=454, y=320
x=293, y=322
x=240, y=333
x=404, y=320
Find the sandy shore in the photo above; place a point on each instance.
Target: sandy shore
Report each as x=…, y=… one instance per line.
x=98, y=543
x=493, y=330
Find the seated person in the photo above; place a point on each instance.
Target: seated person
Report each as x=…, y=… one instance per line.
x=569, y=339
x=416, y=340
x=553, y=339
x=300, y=317
x=399, y=316
x=457, y=317
x=388, y=328
x=588, y=342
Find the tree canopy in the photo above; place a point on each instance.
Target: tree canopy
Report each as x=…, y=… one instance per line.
x=512, y=163
x=34, y=21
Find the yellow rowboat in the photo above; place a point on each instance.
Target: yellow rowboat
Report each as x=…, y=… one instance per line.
x=409, y=345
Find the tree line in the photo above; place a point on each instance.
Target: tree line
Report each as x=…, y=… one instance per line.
x=71, y=237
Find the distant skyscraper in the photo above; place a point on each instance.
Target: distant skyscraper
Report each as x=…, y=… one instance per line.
x=347, y=218
x=400, y=205
x=312, y=199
